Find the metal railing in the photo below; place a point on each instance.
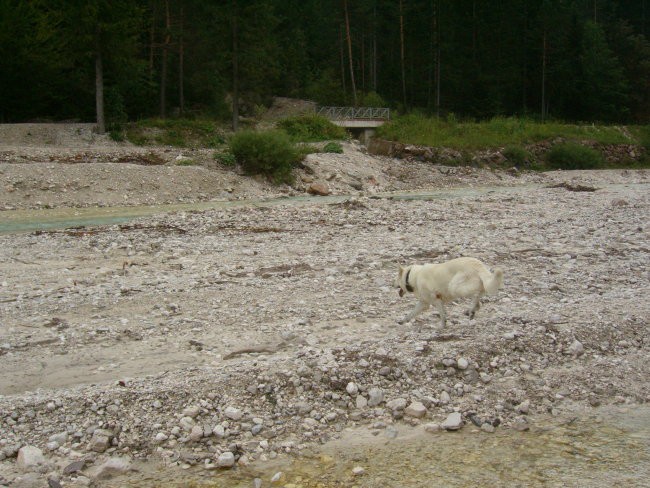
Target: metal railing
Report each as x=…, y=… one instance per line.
x=354, y=113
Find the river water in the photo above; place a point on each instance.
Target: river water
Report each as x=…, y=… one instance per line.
x=30, y=220
x=609, y=447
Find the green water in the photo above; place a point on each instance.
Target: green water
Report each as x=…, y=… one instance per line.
x=16, y=221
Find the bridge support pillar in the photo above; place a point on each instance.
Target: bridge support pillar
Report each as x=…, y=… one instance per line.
x=367, y=135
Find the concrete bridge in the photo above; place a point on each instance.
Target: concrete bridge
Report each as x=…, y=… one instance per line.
x=361, y=121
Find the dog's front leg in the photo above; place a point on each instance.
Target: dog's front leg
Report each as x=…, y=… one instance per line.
x=476, y=304
x=441, y=311
x=419, y=308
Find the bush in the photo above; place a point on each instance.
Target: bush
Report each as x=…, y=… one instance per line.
x=516, y=155
x=333, y=147
x=225, y=158
x=570, y=155
x=269, y=153
x=116, y=133
x=310, y=128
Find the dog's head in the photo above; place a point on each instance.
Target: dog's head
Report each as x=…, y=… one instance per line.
x=400, y=281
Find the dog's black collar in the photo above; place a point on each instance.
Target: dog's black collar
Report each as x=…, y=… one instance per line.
x=409, y=288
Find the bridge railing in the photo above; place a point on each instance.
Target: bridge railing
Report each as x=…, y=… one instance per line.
x=358, y=113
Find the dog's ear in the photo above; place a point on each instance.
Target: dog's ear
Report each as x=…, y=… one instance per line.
x=401, y=270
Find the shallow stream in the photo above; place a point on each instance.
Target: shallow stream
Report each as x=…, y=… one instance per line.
x=604, y=448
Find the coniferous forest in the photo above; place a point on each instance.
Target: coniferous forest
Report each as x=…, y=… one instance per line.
x=577, y=60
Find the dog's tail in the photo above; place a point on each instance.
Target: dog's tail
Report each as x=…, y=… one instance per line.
x=492, y=281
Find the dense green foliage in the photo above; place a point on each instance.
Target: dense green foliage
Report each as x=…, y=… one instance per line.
x=311, y=128
x=497, y=132
x=171, y=132
x=581, y=60
x=516, y=155
x=269, y=153
x=574, y=156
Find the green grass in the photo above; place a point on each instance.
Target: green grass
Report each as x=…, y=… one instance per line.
x=225, y=158
x=187, y=162
x=176, y=132
x=499, y=132
x=333, y=147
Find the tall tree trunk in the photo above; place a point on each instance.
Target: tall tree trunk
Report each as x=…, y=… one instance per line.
x=152, y=38
x=544, y=76
x=347, y=32
x=432, y=56
x=374, y=47
x=401, y=51
x=363, y=60
x=181, y=68
x=163, y=70
x=235, y=70
x=99, y=86
x=438, y=57
x=342, y=56
x=474, y=35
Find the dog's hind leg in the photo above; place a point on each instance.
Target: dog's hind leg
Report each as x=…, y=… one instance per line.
x=476, y=304
x=419, y=308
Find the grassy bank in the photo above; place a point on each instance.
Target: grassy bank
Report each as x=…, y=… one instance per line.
x=502, y=132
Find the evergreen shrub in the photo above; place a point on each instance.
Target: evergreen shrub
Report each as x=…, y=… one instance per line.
x=570, y=155
x=268, y=153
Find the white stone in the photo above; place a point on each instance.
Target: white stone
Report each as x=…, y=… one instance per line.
x=113, y=467
x=160, y=437
x=462, y=363
x=233, y=413
x=487, y=427
x=375, y=397
x=196, y=434
x=191, y=411
x=445, y=398
x=416, y=409
x=29, y=458
x=361, y=402
x=226, y=460
x=352, y=388
x=358, y=471
x=576, y=348
x=187, y=423
x=219, y=432
x=453, y=422
x=523, y=407
x=397, y=404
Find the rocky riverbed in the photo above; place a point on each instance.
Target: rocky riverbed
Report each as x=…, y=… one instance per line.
x=219, y=339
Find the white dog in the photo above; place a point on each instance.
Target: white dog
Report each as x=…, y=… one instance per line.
x=437, y=284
